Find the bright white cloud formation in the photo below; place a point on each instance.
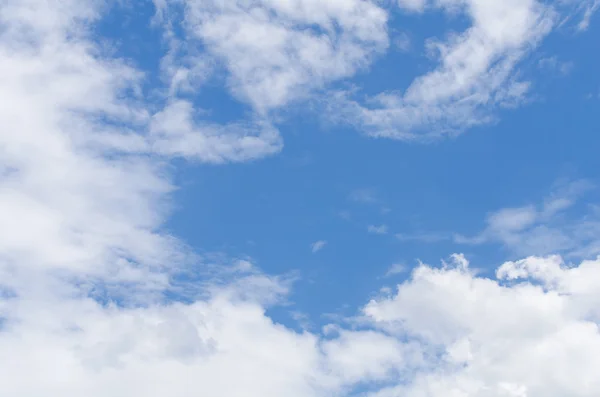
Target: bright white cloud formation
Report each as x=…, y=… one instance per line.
x=80, y=186
x=531, y=331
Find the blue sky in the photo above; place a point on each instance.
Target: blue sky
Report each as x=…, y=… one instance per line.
x=342, y=198
x=274, y=209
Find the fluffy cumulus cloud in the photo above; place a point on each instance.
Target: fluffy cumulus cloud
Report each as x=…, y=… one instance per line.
x=278, y=51
x=88, y=275
x=532, y=330
x=221, y=346
x=83, y=184
x=84, y=264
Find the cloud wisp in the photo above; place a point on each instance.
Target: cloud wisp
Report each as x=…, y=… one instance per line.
x=548, y=227
x=545, y=228
x=318, y=246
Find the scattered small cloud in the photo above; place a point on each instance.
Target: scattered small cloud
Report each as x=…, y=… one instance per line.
x=381, y=229
x=396, y=268
x=318, y=246
x=402, y=42
x=555, y=65
x=535, y=229
x=544, y=228
x=590, y=10
x=366, y=195
x=302, y=319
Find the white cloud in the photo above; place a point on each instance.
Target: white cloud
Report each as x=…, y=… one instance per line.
x=551, y=226
x=222, y=345
x=174, y=133
x=544, y=228
x=486, y=338
x=318, y=246
x=82, y=190
x=366, y=195
x=512, y=219
x=554, y=64
x=476, y=73
x=413, y=5
x=590, y=7
x=402, y=41
x=279, y=51
x=396, y=268
x=381, y=229
x=85, y=265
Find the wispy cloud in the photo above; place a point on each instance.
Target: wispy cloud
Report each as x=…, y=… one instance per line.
x=365, y=195
x=381, y=229
x=318, y=246
x=476, y=73
x=590, y=7
x=544, y=228
x=396, y=268
x=534, y=229
x=554, y=64
x=402, y=41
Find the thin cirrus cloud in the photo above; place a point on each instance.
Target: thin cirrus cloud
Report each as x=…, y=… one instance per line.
x=318, y=246
x=589, y=7
x=395, y=269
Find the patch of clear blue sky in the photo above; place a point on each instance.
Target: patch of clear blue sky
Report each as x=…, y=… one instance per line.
x=273, y=209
